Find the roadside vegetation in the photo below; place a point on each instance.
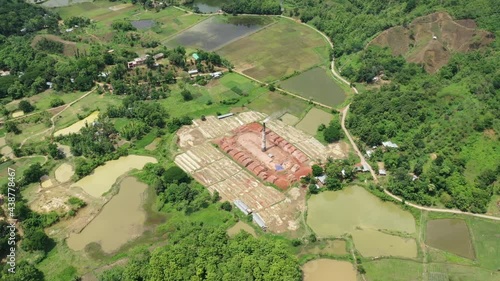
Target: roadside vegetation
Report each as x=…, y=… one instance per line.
x=445, y=124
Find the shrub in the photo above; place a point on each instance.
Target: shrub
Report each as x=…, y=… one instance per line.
x=56, y=102
x=175, y=175
x=226, y=206
x=186, y=95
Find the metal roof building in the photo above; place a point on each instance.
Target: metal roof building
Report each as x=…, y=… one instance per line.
x=389, y=144
x=242, y=206
x=259, y=221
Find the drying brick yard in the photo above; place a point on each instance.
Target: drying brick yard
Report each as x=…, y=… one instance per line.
x=212, y=167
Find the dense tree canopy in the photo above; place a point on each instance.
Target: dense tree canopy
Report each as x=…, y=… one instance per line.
x=198, y=252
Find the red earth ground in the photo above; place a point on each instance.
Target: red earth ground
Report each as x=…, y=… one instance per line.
x=244, y=146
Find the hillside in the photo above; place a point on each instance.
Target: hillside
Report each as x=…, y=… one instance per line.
x=431, y=40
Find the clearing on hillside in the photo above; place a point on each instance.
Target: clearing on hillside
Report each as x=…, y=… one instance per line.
x=70, y=48
x=277, y=51
x=430, y=40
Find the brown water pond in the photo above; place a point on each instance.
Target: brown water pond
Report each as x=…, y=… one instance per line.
x=451, y=235
x=328, y=270
x=333, y=213
x=103, y=177
x=372, y=243
x=121, y=220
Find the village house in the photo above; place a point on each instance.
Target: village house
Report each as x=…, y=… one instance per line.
x=192, y=72
x=216, y=75
x=158, y=56
x=137, y=61
x=389, y=144
x=243, y=207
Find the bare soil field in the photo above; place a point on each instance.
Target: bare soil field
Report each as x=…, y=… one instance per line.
x=417, y=45
x=209, y=165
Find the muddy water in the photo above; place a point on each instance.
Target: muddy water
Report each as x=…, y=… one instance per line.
x=334, y=213
x=451, y=235
x=76, y=127
x=328, y=270
x=241, y=226
x=121, y=220
x=105, y=176
x=372, y=243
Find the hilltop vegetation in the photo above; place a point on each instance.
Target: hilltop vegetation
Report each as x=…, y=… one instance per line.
x=441, y=115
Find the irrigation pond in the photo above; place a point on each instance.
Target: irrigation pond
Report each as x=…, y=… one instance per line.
x=355, y=211
x=106, y=175
x=328, y=270
x=216, y=32
x=121, y=220
x=316, y=84
x=451, y=235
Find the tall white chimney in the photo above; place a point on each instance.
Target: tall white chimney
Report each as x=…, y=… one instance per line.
x=264, y=137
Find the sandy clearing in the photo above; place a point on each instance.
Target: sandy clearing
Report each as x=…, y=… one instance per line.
x=6, y=151
x=64, y=172
x=17, y=113
x=76, y=127
x=47, y=183
x=2, y=141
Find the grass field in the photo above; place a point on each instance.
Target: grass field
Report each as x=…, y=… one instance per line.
x=42, y=100
x=275, y=103
x=394, y=270
x=277, y=51
x=207, y=100
x=20, y=165
x=84, y=107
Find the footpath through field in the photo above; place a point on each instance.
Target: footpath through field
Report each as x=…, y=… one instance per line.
x=57, y=114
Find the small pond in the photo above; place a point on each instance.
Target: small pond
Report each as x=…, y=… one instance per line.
x=120, y=220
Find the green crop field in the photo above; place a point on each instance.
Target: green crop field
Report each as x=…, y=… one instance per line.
x=209, y=99
x=394, y=270
x=277, y=51
x=274, y=103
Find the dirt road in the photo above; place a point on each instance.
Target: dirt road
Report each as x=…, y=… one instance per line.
x=54, y=117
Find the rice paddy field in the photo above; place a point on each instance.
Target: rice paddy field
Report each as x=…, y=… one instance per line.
x=153, y=25
x=316, y=84
x=277, y=51
x=313, y=119
x=216, y=32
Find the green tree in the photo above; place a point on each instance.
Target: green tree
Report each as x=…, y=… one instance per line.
x=55, y=102
x=25, y=272
x=226, y=206
x=11, y=127
x=33, y=173
x=26, y=106
x=35, y=240
x=333, y=132
x=186, y=95
x=317, y=170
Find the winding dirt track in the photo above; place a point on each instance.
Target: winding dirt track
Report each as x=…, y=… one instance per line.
x=344, y=113
x=54, y=117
